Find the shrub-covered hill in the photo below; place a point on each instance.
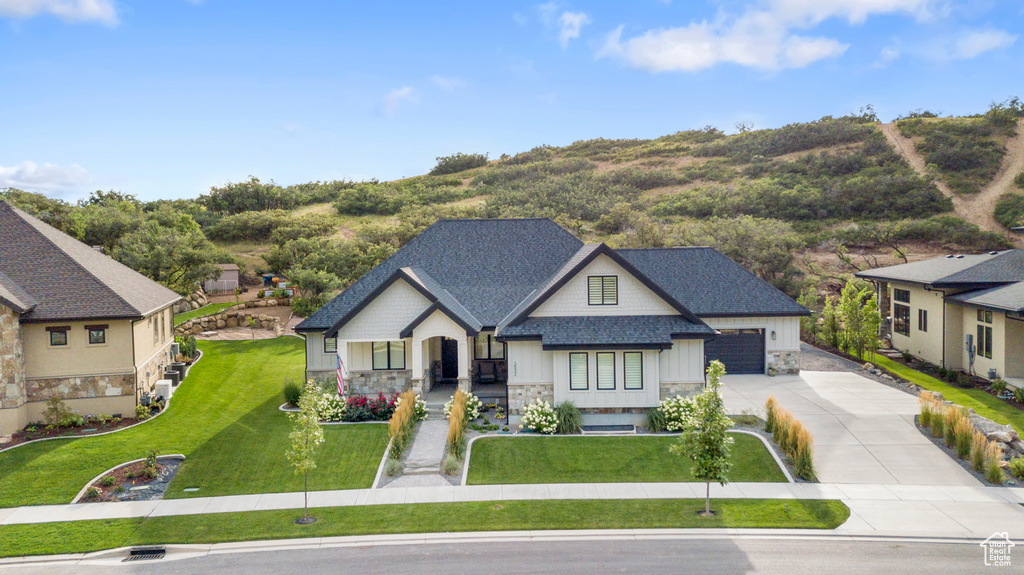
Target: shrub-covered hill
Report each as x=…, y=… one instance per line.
x=796, y=205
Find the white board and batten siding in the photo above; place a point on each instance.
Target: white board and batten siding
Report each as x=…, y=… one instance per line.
x=684, y=362
x=787, y=329
x=529, y=363
x=592, y=397
x=387, y=315
x=634, y=298
x=316, y=358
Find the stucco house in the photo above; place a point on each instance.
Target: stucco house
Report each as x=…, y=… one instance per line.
x=524, y=304
x=963, y=312
x=74, y=323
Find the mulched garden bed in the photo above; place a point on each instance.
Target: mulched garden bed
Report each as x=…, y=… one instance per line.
x=87, y=429
x=131, y=484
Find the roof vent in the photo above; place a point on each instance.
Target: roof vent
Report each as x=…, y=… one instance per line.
x=959, y=256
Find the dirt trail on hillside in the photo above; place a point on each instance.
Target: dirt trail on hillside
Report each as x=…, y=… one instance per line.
x=979, y=209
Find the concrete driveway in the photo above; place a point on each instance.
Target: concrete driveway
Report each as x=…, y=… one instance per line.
x=864, y=431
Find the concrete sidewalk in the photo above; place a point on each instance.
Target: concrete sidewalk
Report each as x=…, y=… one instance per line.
x=928, y=511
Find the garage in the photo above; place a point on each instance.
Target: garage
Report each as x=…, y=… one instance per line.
x=741, y=350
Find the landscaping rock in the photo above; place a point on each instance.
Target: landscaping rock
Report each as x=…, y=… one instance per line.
x=193, y=305
x=221, y=324
x=231, y=321
x=867, y=367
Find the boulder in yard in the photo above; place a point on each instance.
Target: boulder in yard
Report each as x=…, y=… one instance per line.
x=1000, y=436
x=867, y=367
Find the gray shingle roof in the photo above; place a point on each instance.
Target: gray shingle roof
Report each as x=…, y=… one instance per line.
x=1007, y=297
x=652, y=331
x=488, y=266
x=1004, y=267
x=68, y=279
x=710, y=284
x=928, y=271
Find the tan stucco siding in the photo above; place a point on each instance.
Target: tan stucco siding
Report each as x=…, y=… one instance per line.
x=78, y=357
x=634, y=298
x=387, y=315
x=153, y=337
x=954, y=330
x=970, y=326
x=1014, y=363
x=926, y=345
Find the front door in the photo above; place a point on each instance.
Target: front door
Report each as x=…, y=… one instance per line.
x=449, y=359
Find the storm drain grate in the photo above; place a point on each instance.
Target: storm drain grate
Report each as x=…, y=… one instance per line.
x=146, y=554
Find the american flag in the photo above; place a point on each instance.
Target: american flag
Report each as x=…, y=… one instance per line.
x=341, y=377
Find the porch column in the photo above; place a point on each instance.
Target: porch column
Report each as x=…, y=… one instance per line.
x=464, y=363
x=344, y=354
x=417, y=366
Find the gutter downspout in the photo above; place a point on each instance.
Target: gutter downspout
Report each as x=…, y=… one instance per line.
x=134, y=364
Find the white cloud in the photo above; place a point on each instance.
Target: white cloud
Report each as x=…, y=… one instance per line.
x=974, y=43
x=398, y=97
x=570, y=24
x=888, y=55
x=48, y=178
x=762, y=36
x=67, y=10
x=446, y=83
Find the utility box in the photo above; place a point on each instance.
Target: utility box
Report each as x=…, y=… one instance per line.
x=164, y=387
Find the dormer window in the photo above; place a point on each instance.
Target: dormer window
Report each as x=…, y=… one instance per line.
x=603, y=290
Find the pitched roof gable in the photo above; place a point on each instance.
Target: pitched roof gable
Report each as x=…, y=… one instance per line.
x=13, y=296
x=67, y=278
x=947, y=270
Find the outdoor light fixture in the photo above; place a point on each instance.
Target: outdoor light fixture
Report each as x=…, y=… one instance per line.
x=773, y=335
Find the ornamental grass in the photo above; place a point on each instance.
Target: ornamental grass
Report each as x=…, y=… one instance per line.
x=978, y=447
x=792, y=437
x=963, y=432
x=457, y=425
x=993, y=457
x=402, y=423
x=770, y=414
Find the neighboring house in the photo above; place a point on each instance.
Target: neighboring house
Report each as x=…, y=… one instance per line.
x=75, y=324
x=525, y=303
x=956, y=308
x=227, y=281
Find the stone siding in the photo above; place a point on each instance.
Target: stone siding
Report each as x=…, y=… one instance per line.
x=369, y=383
x=81, y=387
x=519, y=396
x=784, y=362
x=12, y=361
x=236, y=316
x=155, y=367
x=670, y=389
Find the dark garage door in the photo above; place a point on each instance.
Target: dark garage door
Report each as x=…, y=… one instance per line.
x=741, y=350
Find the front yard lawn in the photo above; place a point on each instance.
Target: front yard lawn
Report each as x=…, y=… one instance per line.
x=505, y=460
x=984, y=403
x=85, y=536
x=206, y=310
x=224, y=418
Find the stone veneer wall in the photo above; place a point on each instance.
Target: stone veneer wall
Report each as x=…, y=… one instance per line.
x=236, y=316
x=81, y=387
x=156, y=373
x=372, y=382
x=12, y=361
x=669, y=389
x=784, y=362
x=519, y=396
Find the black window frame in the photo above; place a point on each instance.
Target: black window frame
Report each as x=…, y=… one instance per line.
x=586, y=364
x=390, y=366
x=491, y=341
x=597, y=371
x=625, y=381
x=603, y=279
x=63, y=330
x=896, y=292
x=901, y=319
x=984, y=346
x=335, y=340
x=91, y=329
x=922, y=320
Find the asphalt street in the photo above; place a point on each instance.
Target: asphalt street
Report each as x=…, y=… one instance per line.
x=589, y=557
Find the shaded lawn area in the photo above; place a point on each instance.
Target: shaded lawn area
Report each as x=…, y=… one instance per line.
x=86, y=536
x=203, y=311
x=984, y=404
x=506, y=460
x=224, y=418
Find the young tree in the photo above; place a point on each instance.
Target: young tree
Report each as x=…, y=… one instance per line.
x=704, y=440
x=809, y=324
x=830, y=327
x=870, y=322
x=850, y=303
x=305, y=438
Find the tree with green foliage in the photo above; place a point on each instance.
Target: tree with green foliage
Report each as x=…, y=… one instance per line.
x=178, y=260
x=831, y=329
x=458, y=163
x=858, y=315
x=315, y=287
x=809, y=324
x=704, y=440
x=305, y=438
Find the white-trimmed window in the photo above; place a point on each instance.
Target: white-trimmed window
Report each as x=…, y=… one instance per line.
x=578, y=372
x=922, y=320
x=605, y=371
x=330, y=345
x=602, y=290
x=985, y=333
x=58, y=335
x=97, y=334
x=488, y=348
x=632, y=370
x=388, y=355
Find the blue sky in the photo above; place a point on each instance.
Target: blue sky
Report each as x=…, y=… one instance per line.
x=166, y=98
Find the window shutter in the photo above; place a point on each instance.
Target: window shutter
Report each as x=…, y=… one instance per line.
x=577, y=371
x=606, y=371
x=380, y=355
x=633, y=371
x=595, y=286
x=397, y=355
x=611, y=291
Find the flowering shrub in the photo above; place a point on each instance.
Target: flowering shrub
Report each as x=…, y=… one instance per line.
x=330, y=406
x=539, y=417
x=421, y=407
x=677, y=411
x=473, y=405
